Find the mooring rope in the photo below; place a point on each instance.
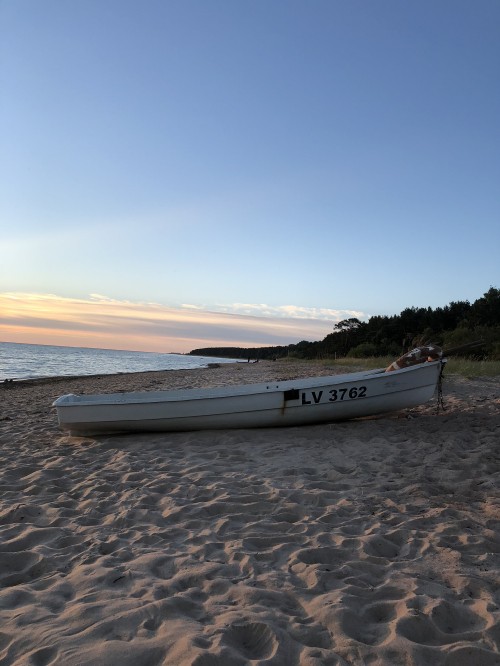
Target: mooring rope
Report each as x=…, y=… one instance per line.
x=440, y=400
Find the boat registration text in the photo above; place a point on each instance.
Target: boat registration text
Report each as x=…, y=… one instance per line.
x=332, y=395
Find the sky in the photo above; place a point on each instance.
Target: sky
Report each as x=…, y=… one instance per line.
x=177, y=174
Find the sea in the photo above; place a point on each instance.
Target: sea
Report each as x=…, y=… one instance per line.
x=23, y=361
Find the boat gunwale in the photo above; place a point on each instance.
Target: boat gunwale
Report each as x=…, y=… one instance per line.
x=231, y=391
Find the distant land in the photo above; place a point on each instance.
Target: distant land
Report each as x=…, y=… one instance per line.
x=456, y=324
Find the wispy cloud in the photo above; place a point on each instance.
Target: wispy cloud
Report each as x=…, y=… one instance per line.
x=99, y=321
x=289, y=311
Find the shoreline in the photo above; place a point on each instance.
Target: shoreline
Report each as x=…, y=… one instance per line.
x=369, y=541
x=224, y=372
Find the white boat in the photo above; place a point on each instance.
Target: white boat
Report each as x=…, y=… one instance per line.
x=288, y=403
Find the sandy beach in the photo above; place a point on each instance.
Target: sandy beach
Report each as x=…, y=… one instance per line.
x=371, y=542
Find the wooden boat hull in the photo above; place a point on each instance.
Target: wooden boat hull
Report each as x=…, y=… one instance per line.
x=287, y=403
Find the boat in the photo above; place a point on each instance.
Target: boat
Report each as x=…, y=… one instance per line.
x=281, y=403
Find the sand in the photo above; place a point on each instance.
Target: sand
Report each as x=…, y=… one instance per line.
x=370, y=542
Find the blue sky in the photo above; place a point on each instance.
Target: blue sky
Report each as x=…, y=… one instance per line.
x=270, y=162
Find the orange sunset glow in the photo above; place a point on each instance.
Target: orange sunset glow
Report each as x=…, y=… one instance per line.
x=112, y=324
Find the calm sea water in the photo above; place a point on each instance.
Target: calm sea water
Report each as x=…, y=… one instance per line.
x=20, y=361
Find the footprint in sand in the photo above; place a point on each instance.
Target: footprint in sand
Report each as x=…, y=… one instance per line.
x=322, y=555
x=19, y=568
x=371, y=624
x=447, y=623
x=294, y=514
x=465, y=656
x=253, y=640
x=44, y=657
x=223, y=658
x=381, y=547
x=456, y=618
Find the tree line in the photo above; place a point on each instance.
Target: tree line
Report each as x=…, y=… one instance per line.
x=453, y=325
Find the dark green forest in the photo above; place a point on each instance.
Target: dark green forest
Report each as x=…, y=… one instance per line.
x=453, y=325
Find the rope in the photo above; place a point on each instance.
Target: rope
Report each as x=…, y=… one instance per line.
x=440, y=401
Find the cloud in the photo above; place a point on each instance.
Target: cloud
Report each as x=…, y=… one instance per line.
x=100, y=321
x=291, y=311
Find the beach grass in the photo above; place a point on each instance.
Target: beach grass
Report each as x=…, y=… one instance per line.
x=465, y=367
x=472, y=368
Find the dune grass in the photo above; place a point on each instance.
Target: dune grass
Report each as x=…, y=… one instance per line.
x=464, y=367
x=471, y=368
